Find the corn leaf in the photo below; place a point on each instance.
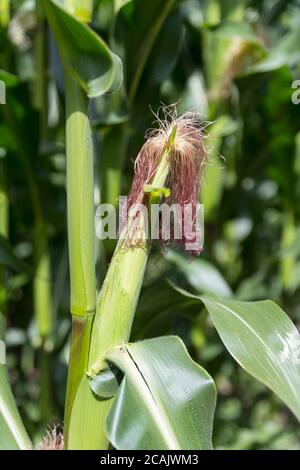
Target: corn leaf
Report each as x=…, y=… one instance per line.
x=263, y=340
x=165, y=401
x=83, y=53
x=13, y=435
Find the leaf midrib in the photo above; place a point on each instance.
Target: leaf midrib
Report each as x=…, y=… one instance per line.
x=274, y=361
x=156, y=410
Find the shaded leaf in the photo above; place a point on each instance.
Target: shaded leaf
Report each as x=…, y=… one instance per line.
x=106, y=383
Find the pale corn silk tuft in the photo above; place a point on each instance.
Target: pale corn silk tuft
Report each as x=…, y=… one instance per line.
x=187, y=156
x=53, y=440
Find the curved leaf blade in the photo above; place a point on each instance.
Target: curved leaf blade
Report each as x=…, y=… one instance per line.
x=264, y=341
x=166, y=400
x=83, y=53
x=13, y=435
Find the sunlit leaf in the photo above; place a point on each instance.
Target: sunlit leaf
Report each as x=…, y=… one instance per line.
x=165, y=401
x=13, y=435
x=263, y=340
x=83, y=53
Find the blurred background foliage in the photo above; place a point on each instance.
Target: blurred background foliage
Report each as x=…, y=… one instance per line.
x=232, y=61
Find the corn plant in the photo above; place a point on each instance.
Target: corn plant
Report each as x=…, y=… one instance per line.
x=149, y=393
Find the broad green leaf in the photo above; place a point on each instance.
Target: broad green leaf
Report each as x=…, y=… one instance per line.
x=201, y=275
x=263, y=340
x=165, y=401
x=12, y=435
x=83, y=53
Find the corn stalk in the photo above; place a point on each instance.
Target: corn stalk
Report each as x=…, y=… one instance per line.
x=80, y=200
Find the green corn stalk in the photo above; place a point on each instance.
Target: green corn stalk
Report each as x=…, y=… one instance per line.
x=81, y=233
x=112, y=323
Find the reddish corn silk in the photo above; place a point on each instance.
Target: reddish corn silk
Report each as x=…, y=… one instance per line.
x=181, y=141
